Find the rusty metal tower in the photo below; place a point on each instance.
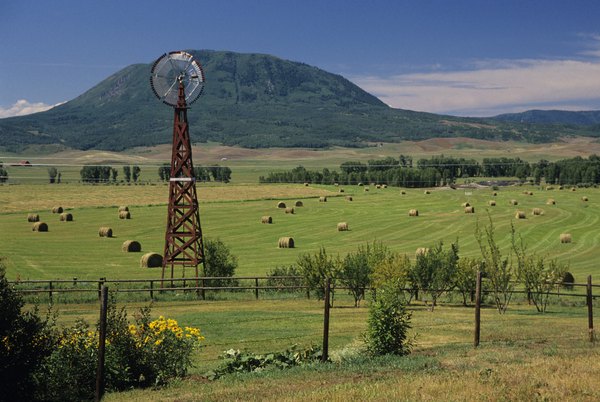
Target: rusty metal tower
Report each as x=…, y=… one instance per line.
x=178, y=80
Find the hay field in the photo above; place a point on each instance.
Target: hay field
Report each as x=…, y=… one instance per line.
x=233, y=214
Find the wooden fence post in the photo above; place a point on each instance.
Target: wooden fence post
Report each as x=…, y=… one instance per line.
x=477, y=310
x=101, y=344
x=590, y=306
x=50, y=292
x=256, y=288
x=325, y=356
x=151, y=290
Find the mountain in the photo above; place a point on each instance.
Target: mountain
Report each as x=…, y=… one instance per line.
x=251, y=100
x=584, y=118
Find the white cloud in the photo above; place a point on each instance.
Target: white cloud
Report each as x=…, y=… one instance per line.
x=23, y=107
x=492, y=87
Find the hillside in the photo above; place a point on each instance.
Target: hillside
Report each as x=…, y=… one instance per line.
x=251, y=100
x=584, y=118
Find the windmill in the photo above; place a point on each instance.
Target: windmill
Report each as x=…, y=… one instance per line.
x=177, y=80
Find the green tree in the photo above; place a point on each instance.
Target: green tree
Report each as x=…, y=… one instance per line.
x=434, y=271
x=388, y=324
x=465, y=279
x=356, y=268
x=219, y=262
x=135, y=173
x=114, y=174
x=127, y=173
x=164, y=172
x=315, y=269
x=52, y=173
x=498, y=270
x=538, y=276
x=3, y=175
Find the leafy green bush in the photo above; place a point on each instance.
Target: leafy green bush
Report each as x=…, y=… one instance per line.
x=277, y=278
x=237, y=361
x=141, y=354
x=219, y=262
x=388, y=324
x=316, y=269
x=25, y=341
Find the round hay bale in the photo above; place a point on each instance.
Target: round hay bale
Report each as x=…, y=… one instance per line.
x=341, y=190
x=360, y=184
x=402, y=192
x=299, y=204
x=131, y=246
x=548, y=188
x=560, y=187
x=281, y=204
x=584, y=198
x=378, y=186
x=566, y=238
x=520, y=215
x=421, y=251
x=492, y=203
x=551, y=201
x=57, y=210
x=413, y=212
x=469, y=210
x=305, y=184
x=105, y=231
x=530, y=193
x=123, y=208
x=33, y=217
x=289, y=210
x=266, y=219
x=322, y=199
x=286, y=242
x=384, y=186
x=349, y=198
x=465, y=204
x=40, y=227
x=514, y=202
x=426, y=192
x=124, y=215
x=366, y=188
x=151, y=260
x=537, y=211
x=66, y=217
x=573, y=189
x=336, y=184
x=342, y=226
x=494, y=194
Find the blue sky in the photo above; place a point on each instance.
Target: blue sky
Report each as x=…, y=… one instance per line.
x=467, y=58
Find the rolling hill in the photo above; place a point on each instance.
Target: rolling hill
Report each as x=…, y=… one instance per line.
x=254, y=101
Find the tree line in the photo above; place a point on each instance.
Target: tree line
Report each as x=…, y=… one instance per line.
x=201, y=173
x=108, y=174
x=444, y=170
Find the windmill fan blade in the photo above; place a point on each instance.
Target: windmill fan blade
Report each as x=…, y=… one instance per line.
x=174, y=68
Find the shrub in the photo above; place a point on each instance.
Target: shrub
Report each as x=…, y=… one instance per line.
x=315, y=269
x=393, y=271
x=141, y=354
x=25, y=341
x=388, y=324
x=246, y=362
x=275, y=280
x=219, y=262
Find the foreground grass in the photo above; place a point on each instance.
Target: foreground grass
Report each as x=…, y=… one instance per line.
x=523, y=355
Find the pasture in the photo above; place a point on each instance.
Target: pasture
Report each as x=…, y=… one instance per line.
x=233, y=214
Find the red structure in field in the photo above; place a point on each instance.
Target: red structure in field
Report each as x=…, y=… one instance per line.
x=178, y=80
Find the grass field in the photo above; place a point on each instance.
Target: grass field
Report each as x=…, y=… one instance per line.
x=523, y=356
x=232, y=213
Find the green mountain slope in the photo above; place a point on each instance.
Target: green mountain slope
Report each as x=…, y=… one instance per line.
x=586, y=118
x=251, y=100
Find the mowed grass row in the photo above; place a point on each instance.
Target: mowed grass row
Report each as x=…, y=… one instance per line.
x=74, y=249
